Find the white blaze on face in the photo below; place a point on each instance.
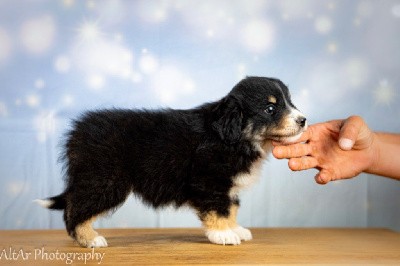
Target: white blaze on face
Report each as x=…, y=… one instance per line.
x=292, y=119
x=291, y=129
x=295, y=115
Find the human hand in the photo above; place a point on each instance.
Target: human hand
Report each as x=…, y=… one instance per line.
x=339, y=149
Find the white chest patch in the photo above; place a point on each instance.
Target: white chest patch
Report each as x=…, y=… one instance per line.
x=247, y=179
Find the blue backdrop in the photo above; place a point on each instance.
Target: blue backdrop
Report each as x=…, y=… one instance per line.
x=59, y=58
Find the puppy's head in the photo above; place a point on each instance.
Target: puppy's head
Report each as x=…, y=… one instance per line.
x=259, y=109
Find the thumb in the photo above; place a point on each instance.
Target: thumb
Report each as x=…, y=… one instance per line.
x=349, y=132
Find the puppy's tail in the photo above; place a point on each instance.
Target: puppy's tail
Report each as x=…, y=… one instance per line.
x=54, y=203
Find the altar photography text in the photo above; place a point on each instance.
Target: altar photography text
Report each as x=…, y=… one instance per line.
x=41, y=254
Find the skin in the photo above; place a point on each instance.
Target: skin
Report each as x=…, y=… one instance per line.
x=342, y=149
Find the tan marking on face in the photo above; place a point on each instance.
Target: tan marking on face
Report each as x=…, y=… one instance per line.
x=272, y=99
x=212, y=221
x=287, y=126
x=85, y=233
x=288, y=122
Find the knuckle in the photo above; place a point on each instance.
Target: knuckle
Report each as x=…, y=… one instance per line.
x=355, y=118
x=300, y=150
x=313, y=149
x=287, y=152
x=354, y=122
x=305, y=163
x=295, y=150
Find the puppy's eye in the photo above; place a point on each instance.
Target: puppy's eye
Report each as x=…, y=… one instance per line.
x=271, y=109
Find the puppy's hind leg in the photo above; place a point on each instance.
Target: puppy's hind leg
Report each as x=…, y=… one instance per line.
x=80, y=227
x=84, y=208
x=86, y=236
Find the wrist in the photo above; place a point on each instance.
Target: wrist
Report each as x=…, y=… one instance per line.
x=385, y=160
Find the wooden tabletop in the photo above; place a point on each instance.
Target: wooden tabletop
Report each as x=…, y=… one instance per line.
x=190, y=246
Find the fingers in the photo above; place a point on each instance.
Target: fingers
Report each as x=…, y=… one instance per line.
x=291, y=151
x=327, y=175
x=297, y=149
x=349, y=132
x=303, y=163
x=297, y=153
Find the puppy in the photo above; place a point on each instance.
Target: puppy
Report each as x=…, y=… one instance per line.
x=200, y=157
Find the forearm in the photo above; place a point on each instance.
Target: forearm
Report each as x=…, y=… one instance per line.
x=387, y=155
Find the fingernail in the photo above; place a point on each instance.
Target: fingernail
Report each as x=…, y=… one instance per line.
x=346, y=144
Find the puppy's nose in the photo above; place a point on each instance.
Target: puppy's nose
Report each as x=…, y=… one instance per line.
x=301, y=121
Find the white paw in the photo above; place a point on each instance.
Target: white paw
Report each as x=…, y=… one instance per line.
x=243, y=233
x=223, y=237
x=97, y=242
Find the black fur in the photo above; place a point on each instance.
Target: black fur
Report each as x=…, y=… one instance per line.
x=167, y=156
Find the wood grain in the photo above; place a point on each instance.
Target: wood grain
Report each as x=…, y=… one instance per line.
x=190, y=246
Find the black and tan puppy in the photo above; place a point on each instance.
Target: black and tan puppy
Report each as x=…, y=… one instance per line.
x=200, y=157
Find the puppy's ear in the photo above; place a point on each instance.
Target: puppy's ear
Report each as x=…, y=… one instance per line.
x=228, y=120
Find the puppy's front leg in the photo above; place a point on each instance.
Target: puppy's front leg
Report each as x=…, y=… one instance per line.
x=242, y=232
x=222, y=229
x=218, y=229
